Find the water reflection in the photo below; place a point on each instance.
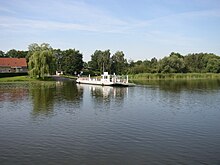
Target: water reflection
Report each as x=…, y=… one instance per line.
x=70, y=92
x=181, y=85
x=46, y=95
x=107, y=92
x=42, y=95
x=105, y=97
x=149, y=123
x=13, y=92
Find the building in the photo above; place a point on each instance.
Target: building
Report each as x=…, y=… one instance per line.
x=13, y=65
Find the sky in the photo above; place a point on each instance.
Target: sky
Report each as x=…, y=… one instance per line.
x=142, y=29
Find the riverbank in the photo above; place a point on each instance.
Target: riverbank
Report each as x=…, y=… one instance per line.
x=27, y=78
x=141, y=76
x=171, y=76
x=23, y=78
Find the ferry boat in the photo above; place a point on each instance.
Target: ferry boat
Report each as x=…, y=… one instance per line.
x=105, y=80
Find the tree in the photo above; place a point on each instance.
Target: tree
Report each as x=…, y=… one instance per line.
x=198, y=62
x=41, y=61
x=172, y=64
x=94, y=63
x=12, y=53
x=2, y=54
x=176, y=54
x=100, y=61
x=153, y=65
x=16, y=53
x=104, y=61
x=72, y=61
x=213, y=65
x=118, y=63
x=58, y=54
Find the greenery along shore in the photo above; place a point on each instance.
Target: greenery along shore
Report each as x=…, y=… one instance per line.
x=132, y=77
x=43, y=60
x=171, y=76
x=24, y=78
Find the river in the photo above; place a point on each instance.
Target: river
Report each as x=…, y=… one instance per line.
x=155, y=122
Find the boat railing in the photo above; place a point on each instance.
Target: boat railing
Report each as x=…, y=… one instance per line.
x=120, y=79
x=107, y=78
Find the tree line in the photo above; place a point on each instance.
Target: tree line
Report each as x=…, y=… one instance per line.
x=43, y=59
x=177, y=63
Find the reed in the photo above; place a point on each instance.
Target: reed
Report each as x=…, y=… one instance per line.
x=163, y=76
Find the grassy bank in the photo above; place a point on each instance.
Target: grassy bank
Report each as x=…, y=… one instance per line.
x=69, y=76
x=23, y=78
x=170, y=76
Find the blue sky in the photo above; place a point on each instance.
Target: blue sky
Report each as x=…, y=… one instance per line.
x=142, y=29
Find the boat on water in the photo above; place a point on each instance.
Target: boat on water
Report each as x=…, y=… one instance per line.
x=105, y=80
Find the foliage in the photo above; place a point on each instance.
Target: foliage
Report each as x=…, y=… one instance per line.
x=41, y=60
x=71, y=61
x=213, y=65
x=16, y=53
x=2, y=54
x=167, y=76
x=177, y=63
x=172, y=64
x=100, y=61
x=58, y=54
x=45, y=60
x=118, y=63
x=145, y=66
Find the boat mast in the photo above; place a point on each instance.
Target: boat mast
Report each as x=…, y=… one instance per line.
x=103, y=69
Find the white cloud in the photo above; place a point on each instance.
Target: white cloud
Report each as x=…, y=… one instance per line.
x=59, y=15
x=174, y=30
x=78, y=15
x=27, y=25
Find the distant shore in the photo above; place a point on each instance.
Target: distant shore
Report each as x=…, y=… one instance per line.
x=173, y=76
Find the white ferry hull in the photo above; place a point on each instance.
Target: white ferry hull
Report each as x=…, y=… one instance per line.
x=104, y=83
x=106, y=80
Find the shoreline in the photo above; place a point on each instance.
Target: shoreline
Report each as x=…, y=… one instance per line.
x=174, y=76
x=29, y=79
x=135, y=77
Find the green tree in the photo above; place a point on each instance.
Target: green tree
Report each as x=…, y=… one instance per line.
x=2, y=54
x=100, y=61
x=172, y=64
x=137, y=69
x=12, y=53
x=176, y=54
x=213, y=65
x=154, y=65
x=41, y=61
x=118, y=63
x=94, y=63
x=104, y=61
x=16, y=53
x=198, y=62
x=72, y=61
x=58, y=54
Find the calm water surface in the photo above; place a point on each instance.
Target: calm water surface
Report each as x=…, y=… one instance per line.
x=163, y=122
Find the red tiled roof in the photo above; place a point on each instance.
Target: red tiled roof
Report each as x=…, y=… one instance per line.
x=13, y=62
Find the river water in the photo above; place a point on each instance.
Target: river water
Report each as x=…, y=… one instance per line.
x=156, y=122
